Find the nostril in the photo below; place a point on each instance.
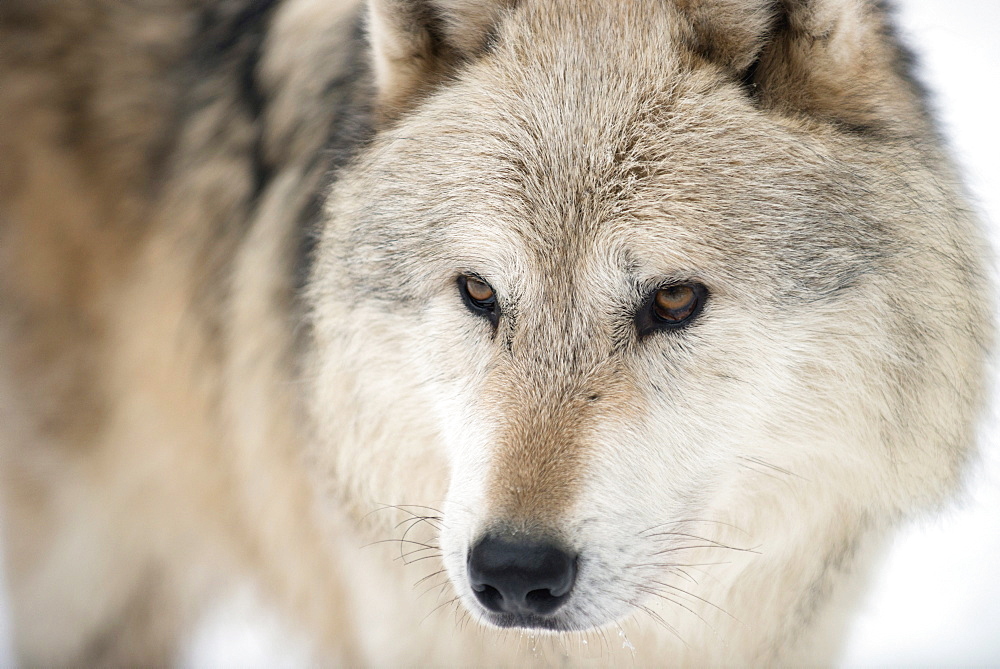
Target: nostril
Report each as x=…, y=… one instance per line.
x=489, y=597
x=543, y=601
x=540, y=596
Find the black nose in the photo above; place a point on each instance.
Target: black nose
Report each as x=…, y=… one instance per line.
x=521, y=577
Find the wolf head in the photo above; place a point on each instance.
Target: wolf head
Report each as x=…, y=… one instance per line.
x=640, y=287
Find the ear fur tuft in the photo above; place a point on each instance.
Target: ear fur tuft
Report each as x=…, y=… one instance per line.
x=835, y=60
x=729, y=32
x=416, y=42
x=838, y=60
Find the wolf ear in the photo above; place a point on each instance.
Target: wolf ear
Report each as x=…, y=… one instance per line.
x=417, y=42
x=836, y=60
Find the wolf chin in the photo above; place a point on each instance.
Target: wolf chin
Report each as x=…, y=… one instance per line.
x=631, y=325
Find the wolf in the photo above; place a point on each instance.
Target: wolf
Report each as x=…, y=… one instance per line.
x=626, y=330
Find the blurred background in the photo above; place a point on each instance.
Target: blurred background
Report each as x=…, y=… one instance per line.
x=937, y=599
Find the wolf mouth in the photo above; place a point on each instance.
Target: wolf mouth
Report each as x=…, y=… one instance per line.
x=530, y=622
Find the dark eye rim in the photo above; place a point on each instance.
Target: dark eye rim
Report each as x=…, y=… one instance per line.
x=647, y=321
x=484, y=308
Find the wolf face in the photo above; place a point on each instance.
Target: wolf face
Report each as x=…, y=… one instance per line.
x=650, y=281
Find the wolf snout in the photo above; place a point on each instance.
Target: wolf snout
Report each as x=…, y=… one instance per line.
x=525, y=578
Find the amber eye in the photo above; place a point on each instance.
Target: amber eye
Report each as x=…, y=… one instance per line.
x=479, y=291
x=675, y=303
x=479, y=297
x=671, y=307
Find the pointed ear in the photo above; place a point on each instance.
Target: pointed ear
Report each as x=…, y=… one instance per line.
x=839, y=60
x=417, y=42
x=729, y=32
x=835, y=60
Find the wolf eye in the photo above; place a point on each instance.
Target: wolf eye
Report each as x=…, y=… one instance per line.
x=479, y=297
x=675, y=303
x=670, y=307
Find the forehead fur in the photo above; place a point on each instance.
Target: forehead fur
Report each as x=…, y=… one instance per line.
x=594, y=119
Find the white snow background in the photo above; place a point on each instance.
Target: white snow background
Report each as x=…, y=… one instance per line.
x=937, y=601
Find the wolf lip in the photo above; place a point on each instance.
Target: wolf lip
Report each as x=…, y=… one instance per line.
x=532, y=622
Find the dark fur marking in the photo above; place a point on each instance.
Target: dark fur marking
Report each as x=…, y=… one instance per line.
x=906, y=62
x=873, y=129
x=491, y=39
x=781, y=24
x=351, y=98
x=749, y=80
x=245, y=32
x=430, y=18
x=238, y=39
